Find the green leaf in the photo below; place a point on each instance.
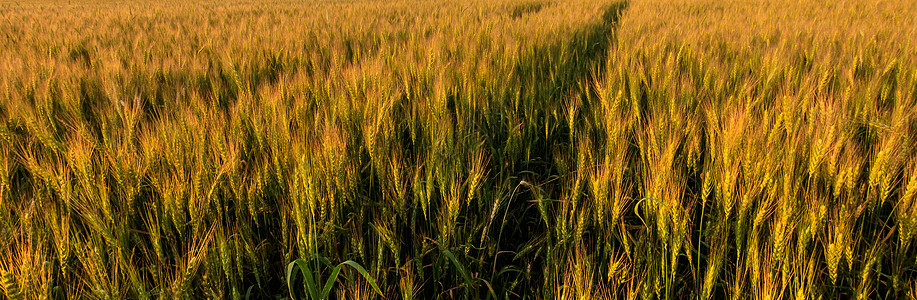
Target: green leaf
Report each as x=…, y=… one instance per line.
x=458, y=266
x=307, y=275
x=365, y=274
x=468, y=280
x=331, y=279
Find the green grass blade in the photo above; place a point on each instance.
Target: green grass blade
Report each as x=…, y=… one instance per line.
x=458, y=266
x=331, y=279
x=365, y=274
x=307, y=275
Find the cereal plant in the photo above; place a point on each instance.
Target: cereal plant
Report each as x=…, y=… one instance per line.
x=507, y=149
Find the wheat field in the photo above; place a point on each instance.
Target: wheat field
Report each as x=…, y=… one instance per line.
x=476, y=149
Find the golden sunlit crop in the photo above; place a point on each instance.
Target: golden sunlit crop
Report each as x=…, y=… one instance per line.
x=498, y=149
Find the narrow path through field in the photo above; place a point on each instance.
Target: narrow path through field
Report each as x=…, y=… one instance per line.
x=559, y=73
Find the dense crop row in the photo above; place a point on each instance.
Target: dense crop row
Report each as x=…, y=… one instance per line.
x=509, y=149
